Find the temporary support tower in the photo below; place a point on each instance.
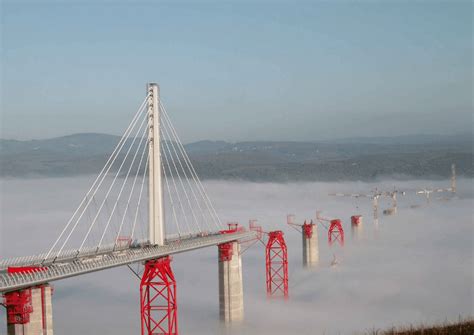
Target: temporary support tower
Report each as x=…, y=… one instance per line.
x=158, y=305
x=277, y=264
x=335, y=232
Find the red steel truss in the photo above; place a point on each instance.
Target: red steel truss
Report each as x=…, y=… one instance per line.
x=158, y=305
x=335, y=232
x=277, y=264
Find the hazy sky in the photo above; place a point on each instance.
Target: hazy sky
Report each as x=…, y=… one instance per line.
x=238, y=70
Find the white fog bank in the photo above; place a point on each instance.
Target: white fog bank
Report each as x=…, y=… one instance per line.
x=416, y=267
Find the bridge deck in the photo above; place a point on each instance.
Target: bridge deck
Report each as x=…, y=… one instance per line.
x=68, y=266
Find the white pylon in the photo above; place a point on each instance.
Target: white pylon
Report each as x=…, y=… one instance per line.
x=156, y=227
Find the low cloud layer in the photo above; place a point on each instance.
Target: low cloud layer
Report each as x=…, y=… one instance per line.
x=416, y=267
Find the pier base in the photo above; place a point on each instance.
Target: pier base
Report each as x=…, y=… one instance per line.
x=29, y=311
x=231, y=297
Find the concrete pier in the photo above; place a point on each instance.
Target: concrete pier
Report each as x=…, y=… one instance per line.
x=310, y=247
x=356, y=226
x=231, y=297
x=41, y=315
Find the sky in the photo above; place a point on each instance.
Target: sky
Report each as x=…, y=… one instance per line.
x=238, y=70
x=416, y=267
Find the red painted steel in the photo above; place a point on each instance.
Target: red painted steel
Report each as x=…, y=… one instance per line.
x=335, y=232
x=308, y=229
x=19, y=306
x=233, y=228
x=158, y=304
x=277, y=264
x=225, y=251
x=25, y=269
x=355, y=219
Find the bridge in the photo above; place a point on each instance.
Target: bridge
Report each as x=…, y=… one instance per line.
x=146, y=204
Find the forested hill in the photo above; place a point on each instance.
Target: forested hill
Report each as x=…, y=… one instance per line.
x=427, y=156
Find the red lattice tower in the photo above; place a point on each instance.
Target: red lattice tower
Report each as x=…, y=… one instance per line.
x=158, y=305
x=277, y=264
x=335, y=232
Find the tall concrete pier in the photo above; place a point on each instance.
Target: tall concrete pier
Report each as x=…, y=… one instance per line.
x=356, y=226
x=38, y=319
x=310, y=245
x=231, y=294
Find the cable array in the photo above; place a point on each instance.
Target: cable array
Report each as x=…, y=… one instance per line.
x=114, y=212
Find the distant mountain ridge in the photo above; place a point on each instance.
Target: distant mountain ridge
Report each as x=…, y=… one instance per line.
x=343, y=159
x=85, y=143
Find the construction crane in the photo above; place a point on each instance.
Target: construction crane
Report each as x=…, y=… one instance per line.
x=374, y=195
x=393, y=195
x=427, y=192
x=335, y=233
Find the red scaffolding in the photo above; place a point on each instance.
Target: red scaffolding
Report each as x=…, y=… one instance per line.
x=158, y=305
x=277, y=264
x=19, y=306
x=335, y=232
x=225, y=251
x=308, y=229
x=356, y=220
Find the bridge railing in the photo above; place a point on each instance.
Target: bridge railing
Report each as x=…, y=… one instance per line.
x=64, y=256
x=56, y=271
x=67, y=255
